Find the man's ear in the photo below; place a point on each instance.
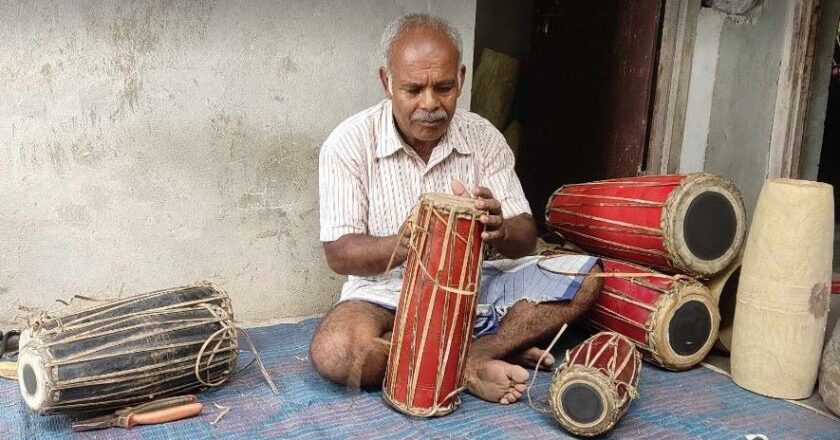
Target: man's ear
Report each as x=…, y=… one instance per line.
x=383, y=78
x=462, y=72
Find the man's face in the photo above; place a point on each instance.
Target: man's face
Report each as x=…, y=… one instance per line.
x=425, y=84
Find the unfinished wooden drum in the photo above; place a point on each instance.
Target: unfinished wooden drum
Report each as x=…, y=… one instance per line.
x=692, y=223
x=593, y=388
x=783, y=291
x=724, y=289
x=127, y=351
x=434, y=319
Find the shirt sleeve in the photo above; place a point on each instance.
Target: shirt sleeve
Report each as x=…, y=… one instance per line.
x=499, y=174
x=342, y=192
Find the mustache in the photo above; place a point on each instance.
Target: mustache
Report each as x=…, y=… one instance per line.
x=434, y=116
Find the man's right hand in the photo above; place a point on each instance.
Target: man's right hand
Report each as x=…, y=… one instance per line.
x=366, y=255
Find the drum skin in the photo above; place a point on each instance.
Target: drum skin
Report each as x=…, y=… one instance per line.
x=692, y=224
x=434, y=319
x=594, y=387
x=128, y=351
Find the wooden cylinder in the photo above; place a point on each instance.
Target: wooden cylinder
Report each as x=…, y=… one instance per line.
x=830, y=372
x=724, y=288
x=783, y=291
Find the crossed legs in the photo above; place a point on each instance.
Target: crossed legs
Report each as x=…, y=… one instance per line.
x=350, y=346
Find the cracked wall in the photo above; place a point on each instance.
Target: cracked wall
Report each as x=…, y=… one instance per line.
x=146, y=145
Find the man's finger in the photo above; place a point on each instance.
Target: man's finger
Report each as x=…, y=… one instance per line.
x=458, y=188
x=491, y=205
x=491, y=235
x=483, y=191
x=493, y=221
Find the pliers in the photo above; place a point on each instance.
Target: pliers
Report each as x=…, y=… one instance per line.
x=152, y=413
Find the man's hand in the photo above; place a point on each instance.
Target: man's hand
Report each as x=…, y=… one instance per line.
x=365, y=255
x=493, y=221
x=514, y=237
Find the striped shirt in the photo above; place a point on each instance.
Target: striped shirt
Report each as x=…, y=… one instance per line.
x=370, y=179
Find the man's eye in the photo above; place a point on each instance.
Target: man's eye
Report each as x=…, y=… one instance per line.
x=446, y=89
x=412, y=91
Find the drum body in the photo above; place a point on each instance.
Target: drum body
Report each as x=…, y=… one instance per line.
x=783, y=290
x=127, y=351
x=593, y=389
x=692, y=223
x=674, y=322
x=434, y=320
x=724, y=288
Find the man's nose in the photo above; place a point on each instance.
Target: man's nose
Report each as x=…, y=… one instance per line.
x=429, y=100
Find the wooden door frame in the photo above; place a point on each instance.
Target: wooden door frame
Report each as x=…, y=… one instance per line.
x=670, y=94
x=794, y=88
x=676, y=50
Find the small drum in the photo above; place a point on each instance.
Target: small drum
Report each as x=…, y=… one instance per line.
x=593, y=388
x=434, y=320
x=126, y=351
x=691, y=223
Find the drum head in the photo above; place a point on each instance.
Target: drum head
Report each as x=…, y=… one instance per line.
x=582, y=403
x=704, y=223
x=686, y=326
x=690, y=328
x=710, y=225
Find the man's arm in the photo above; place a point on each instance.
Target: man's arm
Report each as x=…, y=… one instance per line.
x=364, y=255
x=513, y=237
x=517, y=236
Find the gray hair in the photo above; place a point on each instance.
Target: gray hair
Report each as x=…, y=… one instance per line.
x=412, y=21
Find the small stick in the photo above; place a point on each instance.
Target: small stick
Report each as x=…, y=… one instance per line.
x=225, y=410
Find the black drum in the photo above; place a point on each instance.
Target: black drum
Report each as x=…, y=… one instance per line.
x=126, y=351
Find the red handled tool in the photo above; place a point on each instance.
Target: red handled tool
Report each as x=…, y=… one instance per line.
x=152, y=413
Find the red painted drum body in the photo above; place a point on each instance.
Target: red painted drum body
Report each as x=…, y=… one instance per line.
x=693, y=223
x=593, y=388
x=434, y=319
x=673, y=320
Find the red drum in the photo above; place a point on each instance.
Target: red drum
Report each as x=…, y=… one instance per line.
x=593, y=388
x=434, y=321
x=691, y=223
x=673, y=320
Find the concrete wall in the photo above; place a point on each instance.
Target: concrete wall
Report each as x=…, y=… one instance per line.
x=739, y=119
x=732, y=95
x=145, y=145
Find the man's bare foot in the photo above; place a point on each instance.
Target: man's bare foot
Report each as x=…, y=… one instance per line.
x=495, y=381
x=528, y=358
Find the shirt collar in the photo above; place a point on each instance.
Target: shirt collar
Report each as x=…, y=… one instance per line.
x=393, y=142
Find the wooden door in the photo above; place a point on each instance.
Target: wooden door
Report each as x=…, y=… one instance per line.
x=586, y=92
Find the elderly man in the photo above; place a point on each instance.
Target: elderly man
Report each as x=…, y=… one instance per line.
x=373, y=168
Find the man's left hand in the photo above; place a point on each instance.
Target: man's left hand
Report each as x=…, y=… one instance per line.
x=493, y=221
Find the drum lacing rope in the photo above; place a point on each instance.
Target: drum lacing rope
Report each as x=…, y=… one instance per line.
x=675, y=278
x=537, y=368
x=412, y=228
x=232, y=330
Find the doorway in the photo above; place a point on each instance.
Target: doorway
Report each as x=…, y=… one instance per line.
x=582, y=104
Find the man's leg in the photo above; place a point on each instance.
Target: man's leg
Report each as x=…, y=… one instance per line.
x=348, y=348
x=525, y=325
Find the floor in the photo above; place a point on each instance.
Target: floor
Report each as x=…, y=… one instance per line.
x=696, y=404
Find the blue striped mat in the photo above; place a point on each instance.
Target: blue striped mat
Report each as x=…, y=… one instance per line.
x=697, y=404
